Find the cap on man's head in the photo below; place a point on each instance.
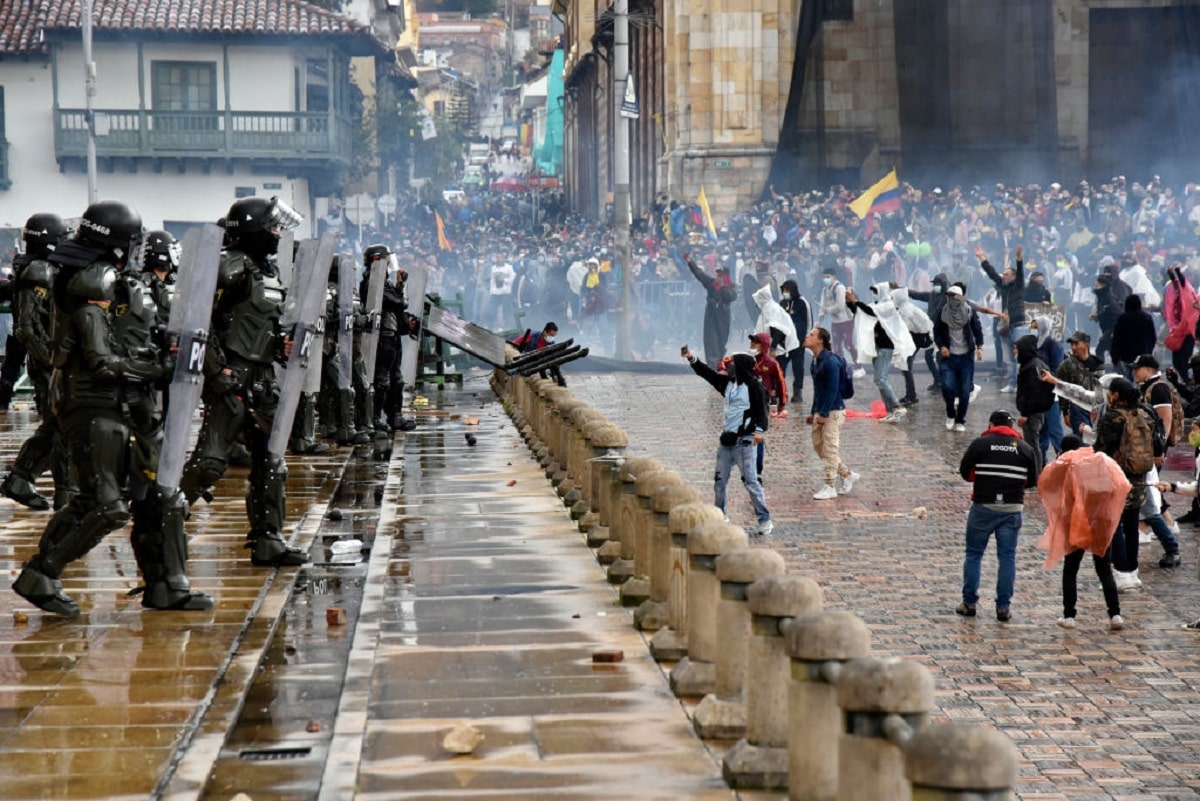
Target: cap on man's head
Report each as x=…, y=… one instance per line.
x=1080, y=336
x=954, y=290
x=1107, y=261
x=1000, y=417
x=1145, y=360
x=829, y=271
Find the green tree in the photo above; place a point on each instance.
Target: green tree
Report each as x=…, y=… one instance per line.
x=397, y=124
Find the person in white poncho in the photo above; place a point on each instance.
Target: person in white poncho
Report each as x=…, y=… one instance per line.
x=881, y=338
x=920, y=328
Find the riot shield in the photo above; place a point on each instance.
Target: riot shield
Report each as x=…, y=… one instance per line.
x=414, y=296
x=312, y=375
x=345, y=332
x=302, y=314
x=284, y=257
x=372, y=307
x=188, y=325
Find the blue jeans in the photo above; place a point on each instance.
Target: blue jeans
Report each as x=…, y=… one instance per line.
x=1015, y=332
x=745, y=455
x=1052, y=431
x=958, y=379
x=1079, y=417
x=881, y=364
x=982, y=522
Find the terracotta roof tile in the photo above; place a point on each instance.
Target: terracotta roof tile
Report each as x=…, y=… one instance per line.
x=23, y=22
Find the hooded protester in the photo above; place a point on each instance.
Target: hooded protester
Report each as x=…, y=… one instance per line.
x=720, y=294
x=798, y=309
x=920, y=328
x=1179, y=309
x=1034, y=396
x=1110, y=292
x=1035, y=290
x=837, y=314
x=1051, y=352
x=1010, y=284
x=1140, y=284
x=935, y=301
x=745, y=421
x=882, y=338
x=775, y=323
x=1133, y=335
x=958, y=335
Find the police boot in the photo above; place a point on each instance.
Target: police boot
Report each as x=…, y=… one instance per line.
x=22, y=491
x=6, y=394
x=160, y=547
x=267, y=549
x=304, y=429
x=43, y=591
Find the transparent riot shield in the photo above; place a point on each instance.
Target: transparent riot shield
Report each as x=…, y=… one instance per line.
x=285, y=256
x=345, y=332
x=414, y=296
x=372, y=305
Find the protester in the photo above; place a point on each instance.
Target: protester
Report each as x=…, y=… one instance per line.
x=719, y=296
x=828, y=414
x=1034, y=398
x=1000, y=465
x=1083, y=493
x=800, y=312
x=745, y=421
x=839, y=317
x=1082, y=368
x=881, y=336
x=958, y=336
x=920, y=328
x=1010, y=284
x=1133, y=335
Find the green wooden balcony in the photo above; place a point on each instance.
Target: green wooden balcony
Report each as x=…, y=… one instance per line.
x=297, y=138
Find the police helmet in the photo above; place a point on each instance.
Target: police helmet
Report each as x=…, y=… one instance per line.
x=112, y=225
x=252, y=215
x=42, y=232
x=160, y=251
x=374, y=253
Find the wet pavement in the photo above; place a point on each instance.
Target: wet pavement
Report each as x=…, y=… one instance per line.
x=1095, y=714
x=471, y=600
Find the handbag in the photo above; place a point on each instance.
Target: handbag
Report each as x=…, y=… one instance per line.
x=1175, y=339
x=729, y=438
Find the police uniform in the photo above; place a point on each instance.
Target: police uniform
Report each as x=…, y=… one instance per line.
x=241, y=394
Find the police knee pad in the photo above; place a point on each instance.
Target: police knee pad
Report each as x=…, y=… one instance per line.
x=113, y=514
x=276, y=469
x=207, y=470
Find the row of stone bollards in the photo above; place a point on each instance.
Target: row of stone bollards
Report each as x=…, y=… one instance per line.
x=811, y=709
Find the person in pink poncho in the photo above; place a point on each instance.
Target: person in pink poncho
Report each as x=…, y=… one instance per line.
x=1083, y=493
x=1180, y=310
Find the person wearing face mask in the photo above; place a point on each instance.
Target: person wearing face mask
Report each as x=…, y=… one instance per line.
x=745, y=421
x=798, y=309
x=529, y=342
x=838, y=317
x=1011, y=286
x=958, y=336
x=882, y=337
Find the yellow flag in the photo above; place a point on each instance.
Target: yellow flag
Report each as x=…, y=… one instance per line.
x=708, y=220
x=443, y=242
x=883, y=196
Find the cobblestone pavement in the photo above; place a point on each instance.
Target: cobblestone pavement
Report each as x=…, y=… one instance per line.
x=1096, y=714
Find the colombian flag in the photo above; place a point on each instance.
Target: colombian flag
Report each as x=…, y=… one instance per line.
x=882, y=197
x=708, y=220
x=443, y=242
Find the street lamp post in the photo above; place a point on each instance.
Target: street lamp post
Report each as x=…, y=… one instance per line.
x=621, y=202
x=89, y=82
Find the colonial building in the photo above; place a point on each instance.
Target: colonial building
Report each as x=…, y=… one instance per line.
x=736, y=96
x=197, y=102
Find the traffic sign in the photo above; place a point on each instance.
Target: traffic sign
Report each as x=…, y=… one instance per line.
x=629, y=105
x=360, y=208
x=386, y=204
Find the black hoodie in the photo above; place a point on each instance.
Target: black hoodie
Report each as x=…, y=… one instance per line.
x=1033, y=394
x=1134, y=332
x=741, y=371
x=936, y=299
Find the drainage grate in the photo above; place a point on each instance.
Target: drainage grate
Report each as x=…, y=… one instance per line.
x=273, y=754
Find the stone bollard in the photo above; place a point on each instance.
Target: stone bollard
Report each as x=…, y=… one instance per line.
x=578, y=451
x=960, y=762
x=606, y=446
x=669, y=643
x=884, y=703
x=722, y=713
x=549, y=394
x=621, y=527
x=651, y=615
x=695, y=676
x=637, y=589
x=818, y=645
x=760, y=761
x=559, y=443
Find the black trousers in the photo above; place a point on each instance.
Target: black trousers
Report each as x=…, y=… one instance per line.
x=1103, y=565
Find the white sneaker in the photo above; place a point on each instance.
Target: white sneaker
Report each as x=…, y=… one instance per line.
x=975, y=390
x=1137, y=582
x=1126, y=581
x=949, y=423
x=1145, y=537
x=859, y=372
x=765, y=528
x=891, y=417
x=1067, y=622
x=1116, y=622
x=847, y=483
x=960, y=427
x=1008, y=388
x=825, y=493
x=1174, y=529
x=899, y=411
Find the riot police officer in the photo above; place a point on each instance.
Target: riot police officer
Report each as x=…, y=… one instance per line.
x=160, y=263
x=103, y=390
x=240, y=391
x=393, y=324
x=33, y=277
